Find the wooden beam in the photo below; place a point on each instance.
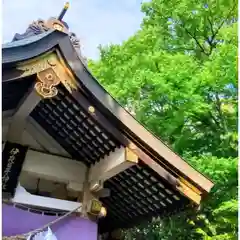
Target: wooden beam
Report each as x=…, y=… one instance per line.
x=18, y=121
x=7, y=114
x=23, y=197
x=44, y=139
x=35, y=137
x=118, y=161
x=60, y=169
x=26, y=140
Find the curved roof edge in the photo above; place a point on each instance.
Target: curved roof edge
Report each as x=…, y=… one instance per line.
x=29, y=48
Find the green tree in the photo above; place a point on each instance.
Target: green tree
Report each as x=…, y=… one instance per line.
x=190, y=103
x=178, y=76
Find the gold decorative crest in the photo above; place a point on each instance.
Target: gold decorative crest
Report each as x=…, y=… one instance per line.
x=50, y=70
x=48, y=79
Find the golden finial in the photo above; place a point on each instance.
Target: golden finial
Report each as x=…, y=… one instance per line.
x=65, y=8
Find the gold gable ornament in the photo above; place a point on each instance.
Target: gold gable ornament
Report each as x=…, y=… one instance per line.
x=47, y=80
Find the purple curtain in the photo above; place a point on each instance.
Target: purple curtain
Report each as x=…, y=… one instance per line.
x=16, y=221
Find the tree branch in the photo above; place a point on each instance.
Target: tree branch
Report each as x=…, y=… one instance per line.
x=211, y=26
x=214, y=34
x=195, y=39
x=218, y=107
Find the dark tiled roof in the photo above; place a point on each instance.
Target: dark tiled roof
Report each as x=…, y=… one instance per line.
x=26, y=41
x=139, y=194
x=74, y=128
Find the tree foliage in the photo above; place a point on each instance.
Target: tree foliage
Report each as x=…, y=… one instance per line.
x=178, y=76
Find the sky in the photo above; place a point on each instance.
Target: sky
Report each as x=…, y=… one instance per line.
x=94, y=21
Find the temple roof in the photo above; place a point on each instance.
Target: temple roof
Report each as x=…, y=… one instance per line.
x=150, y=188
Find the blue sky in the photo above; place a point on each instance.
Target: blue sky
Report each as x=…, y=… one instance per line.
x=94, y=21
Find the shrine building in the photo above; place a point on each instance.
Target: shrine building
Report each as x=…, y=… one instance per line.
x=76, y=164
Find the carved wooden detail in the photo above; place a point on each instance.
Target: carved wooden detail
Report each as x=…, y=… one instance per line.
x=50, y=70
x=47, y=80
x=38, y=27
x=41, y=26
x=75, y=41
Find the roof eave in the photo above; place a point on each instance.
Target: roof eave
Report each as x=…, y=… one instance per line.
x=25, y=50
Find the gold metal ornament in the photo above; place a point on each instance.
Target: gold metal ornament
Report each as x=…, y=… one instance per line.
x=45, y=87
x=46, y=83
x=58, y=27
x=91, y=109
